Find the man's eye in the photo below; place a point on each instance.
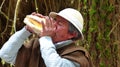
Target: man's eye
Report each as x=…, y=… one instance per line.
x=60, y=23
x=55, y=19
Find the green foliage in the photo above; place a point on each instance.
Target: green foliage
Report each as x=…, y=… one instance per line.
x=110, y=8
x=107, y=53
x=100, y=36
x=102, y=64
x=108, y=22
x=100, y=24
x=84, y=1
x=98, y=46
x=89, y=38
x=92, y=11
x=107, y=37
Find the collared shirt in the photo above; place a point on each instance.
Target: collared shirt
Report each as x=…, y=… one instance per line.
x=48, y=50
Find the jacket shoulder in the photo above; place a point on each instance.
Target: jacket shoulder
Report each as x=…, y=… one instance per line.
x=77, y=54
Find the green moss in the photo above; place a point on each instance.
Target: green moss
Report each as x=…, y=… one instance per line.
x=102, y=64
x=108, y=22
x=110, y=8
x=92, y=11
x=98, y=46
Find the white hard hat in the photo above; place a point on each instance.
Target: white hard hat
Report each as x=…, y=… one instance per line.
x=73, y=16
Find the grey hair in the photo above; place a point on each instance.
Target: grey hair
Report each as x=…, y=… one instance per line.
x=73, y=29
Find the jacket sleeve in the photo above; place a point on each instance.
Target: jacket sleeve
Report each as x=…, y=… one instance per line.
x=10, y=49
x=50, y=56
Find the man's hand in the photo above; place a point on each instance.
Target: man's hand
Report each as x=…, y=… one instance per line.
x=37, y=14
x=48, y=27
x=29, y=29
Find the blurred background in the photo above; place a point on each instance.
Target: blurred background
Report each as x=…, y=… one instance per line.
x=101, y=24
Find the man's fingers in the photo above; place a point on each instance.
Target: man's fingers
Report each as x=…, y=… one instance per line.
x=33, y=13
x=43, y=26
x=37, y=14
x=40, y=15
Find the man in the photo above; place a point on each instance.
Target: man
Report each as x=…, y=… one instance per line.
x=55, y=46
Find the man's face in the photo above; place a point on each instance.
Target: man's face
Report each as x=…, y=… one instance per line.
x=61, y=32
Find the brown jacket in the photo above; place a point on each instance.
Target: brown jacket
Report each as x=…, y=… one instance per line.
x=30, y=56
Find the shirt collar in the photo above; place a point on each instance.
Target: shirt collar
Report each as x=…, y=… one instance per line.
x=63, y=43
